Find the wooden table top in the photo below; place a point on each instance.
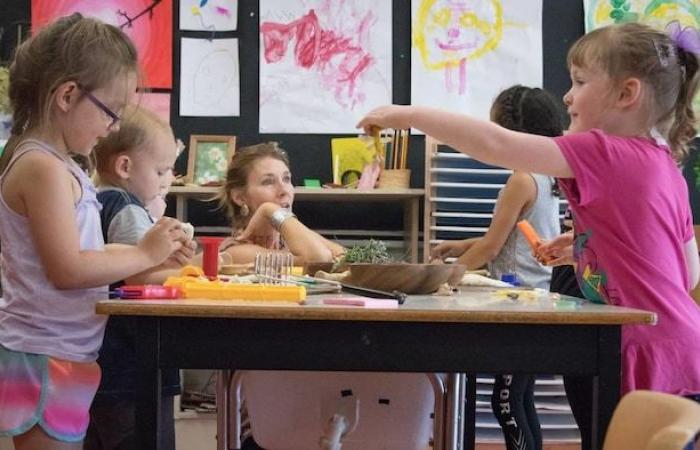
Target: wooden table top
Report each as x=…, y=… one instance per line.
x=471, y=305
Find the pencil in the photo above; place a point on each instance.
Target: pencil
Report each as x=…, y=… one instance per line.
x=378, y=148
x=404, y=154
x=398, y=160
x=395, y=144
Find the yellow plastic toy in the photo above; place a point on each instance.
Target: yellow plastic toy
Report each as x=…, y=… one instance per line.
x=192, y=284
x=191, y=271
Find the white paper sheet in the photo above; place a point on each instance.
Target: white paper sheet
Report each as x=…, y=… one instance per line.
x=208, y=15
x=323, y=64
x=209, y=78
x=464, y=52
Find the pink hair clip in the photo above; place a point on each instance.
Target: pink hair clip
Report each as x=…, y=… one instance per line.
x=687, y=38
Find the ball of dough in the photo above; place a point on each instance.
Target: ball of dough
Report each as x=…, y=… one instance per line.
x=188, y=229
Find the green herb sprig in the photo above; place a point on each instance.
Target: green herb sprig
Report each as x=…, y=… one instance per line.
x=374, y=252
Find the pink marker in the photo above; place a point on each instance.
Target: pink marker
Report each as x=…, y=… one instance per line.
x=363, y=302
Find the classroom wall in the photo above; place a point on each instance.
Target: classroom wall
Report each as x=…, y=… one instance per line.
x=310, y=154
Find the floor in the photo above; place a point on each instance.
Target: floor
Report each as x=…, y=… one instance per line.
x=190, y=434
x=199, y=434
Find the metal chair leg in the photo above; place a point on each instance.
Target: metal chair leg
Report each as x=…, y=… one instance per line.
x=439, y=410
x=235, y=402
x=453, y=408
x=222, y=409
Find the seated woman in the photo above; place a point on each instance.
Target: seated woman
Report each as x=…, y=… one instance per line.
x=258, y=195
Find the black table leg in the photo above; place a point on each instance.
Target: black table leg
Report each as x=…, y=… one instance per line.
x=606, y=389
x=148, y=385
x=469, y=438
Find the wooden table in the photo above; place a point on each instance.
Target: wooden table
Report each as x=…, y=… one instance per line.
x=474, y=332
x=409, y=198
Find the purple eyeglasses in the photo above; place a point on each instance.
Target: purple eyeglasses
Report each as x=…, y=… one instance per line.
x=105, y=109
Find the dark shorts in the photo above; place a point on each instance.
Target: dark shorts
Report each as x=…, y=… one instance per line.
x=113, y=425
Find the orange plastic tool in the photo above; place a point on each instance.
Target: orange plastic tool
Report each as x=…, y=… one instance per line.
x=530, y=234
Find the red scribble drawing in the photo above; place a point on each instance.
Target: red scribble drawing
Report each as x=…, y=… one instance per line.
x=223, y=11
x=340, y=60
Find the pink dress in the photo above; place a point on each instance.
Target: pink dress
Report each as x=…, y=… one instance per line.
x=632, y=219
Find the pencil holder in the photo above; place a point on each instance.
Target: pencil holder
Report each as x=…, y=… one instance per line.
x=395, y=178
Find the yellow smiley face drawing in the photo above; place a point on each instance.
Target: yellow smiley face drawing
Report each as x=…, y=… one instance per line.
x=449, y=32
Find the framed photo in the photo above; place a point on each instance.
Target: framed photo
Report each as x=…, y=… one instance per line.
x=208, y=158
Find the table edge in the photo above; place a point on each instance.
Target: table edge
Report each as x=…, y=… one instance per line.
x=295, y=312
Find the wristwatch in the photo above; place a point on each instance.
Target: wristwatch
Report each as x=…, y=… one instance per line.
x=279, y=216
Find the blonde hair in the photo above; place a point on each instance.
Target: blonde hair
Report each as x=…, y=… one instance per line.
x=73, y=48
x=237, y=176
x=669, y=72
x=135, y=129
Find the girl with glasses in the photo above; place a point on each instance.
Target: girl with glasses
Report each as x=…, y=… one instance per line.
x=49, y=332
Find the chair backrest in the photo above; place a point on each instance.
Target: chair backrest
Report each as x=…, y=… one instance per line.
x=648, y=420
x=289, y=410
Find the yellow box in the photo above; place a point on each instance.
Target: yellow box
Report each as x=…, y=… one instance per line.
x=219, y=290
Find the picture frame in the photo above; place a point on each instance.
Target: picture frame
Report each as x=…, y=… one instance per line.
x=208, y=158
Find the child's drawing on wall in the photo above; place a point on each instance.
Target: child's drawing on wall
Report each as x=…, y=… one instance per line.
x=449, y=33
x=657, y=13
x=209, y=77
x=206, y=15
x=466, y=51
x=322, y=63
x=148, y=23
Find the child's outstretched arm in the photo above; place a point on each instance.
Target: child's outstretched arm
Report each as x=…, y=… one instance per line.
x=480, y=139
x=45, y=193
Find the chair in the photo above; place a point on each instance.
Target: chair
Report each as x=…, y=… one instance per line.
x=292, y=410
x=648, y=420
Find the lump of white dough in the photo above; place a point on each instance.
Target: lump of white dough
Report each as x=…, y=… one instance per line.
x=188, y=229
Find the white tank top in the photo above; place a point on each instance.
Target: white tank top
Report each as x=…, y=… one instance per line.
x=35, y=316
x=516, y=255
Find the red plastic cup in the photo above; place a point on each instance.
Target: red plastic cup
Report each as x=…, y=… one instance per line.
x=210, y=258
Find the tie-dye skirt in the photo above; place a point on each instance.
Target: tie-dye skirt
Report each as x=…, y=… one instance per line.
x=53, y=393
